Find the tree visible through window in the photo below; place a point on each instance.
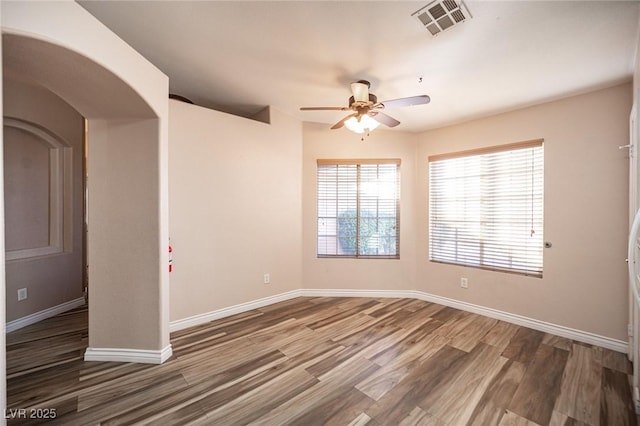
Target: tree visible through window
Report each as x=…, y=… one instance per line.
x=358, y=208
x=486, y=208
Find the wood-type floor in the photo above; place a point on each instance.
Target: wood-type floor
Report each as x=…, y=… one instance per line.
x=317, y=361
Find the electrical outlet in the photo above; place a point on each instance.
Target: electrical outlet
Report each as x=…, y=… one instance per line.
x=267, y=279
x=464, y=283
x=22, y=294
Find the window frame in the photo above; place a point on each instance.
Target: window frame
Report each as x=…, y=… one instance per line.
x=482, y=241
x=358, y=163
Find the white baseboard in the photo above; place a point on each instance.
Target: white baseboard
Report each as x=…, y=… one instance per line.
x=321, y=292
x=143, y=356
x=42, y=315
x=231, y=310
x=558, y=330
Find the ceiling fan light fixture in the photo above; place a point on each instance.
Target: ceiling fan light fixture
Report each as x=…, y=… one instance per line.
x=364, y=106
x=362, y=125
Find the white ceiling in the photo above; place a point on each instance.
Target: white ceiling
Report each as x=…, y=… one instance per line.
x=239, y=56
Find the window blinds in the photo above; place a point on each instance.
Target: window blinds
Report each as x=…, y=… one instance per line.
x=486, y=208
x=358, y=208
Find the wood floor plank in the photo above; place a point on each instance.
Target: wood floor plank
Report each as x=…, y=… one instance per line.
x=374, y=331
x=523, y=345
x=559, y=419
x=500, y=335
x=328, y=311
x=418, y=417
x=117, y=407
x=361, y=420
x=279, y=334
x=338, y=380
x=326, y=360
x=416, y=304
x=426, y=380
x=212, y=395
x=46, y=383
x=306, y=340
x=497, y=397
x=406, y=318
x=579, y=396
x=339, y=316
x=59, y=325
x=376, y=342
x=361, y=303
x=189, y=415
x=469, y=336
x=386, y=378
x=535, y=397
x=512, y=419
x=457, y=404
x=454, y=325
x=418, y=332
x=486, y=414
x=213, y=326
x=390, y=306
x=259, y=401
x=228, y=357
x=616, y=406
x=557, y=341
x=430, y=310
x=447, y=314
x=340, y=409
x=617, y=361
x=56, y=392
x=109, y=397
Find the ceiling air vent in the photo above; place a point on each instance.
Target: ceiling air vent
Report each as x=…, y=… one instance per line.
x=441, y=15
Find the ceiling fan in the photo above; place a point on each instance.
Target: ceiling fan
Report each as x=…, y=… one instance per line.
x=366, y=110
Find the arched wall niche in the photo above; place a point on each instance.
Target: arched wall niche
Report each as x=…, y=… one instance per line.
x=47, y=205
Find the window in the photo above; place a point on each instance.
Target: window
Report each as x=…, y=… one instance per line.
x=358, y=208
x=486, y=208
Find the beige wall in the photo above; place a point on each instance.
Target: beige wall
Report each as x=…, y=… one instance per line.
x=370, y=274
x=123, y=215
x=54, y=279
x=586, y=195
x=235, y=208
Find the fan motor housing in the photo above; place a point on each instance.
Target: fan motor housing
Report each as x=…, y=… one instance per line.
x=373, y=99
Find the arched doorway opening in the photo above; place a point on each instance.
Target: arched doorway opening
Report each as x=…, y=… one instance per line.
x=127, y=138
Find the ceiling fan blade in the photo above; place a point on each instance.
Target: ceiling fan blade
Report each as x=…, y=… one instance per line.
x=324, y=109
x=340, y=123
x=403, y=102
x=383, y=118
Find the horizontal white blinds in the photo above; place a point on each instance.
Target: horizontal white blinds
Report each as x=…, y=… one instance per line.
x=358, y=208
x=486, y=210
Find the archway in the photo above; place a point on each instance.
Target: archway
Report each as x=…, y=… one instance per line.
x=96, y=73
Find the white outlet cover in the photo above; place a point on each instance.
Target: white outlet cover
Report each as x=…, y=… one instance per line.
x=22, y=294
